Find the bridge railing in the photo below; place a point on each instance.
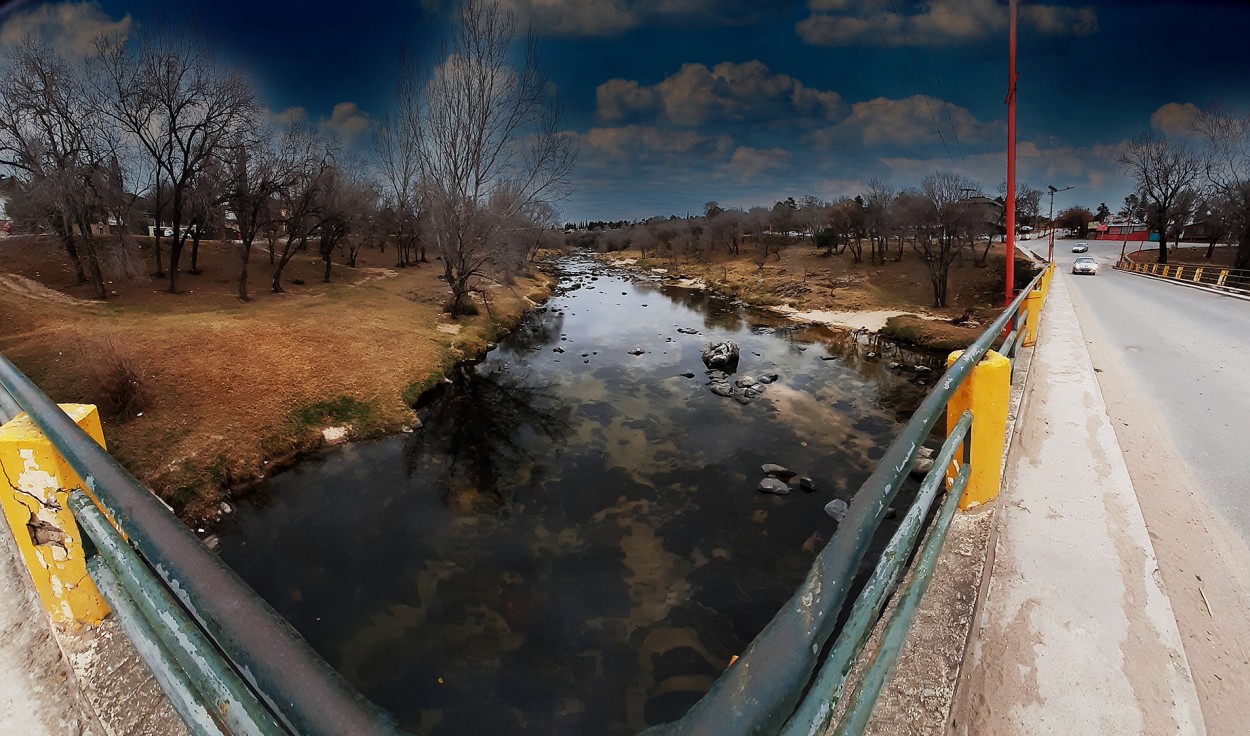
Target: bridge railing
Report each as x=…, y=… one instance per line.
x=780, y=684
x=229, y=663
x=1235, y=280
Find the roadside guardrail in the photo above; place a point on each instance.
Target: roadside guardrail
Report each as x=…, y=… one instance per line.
x=1233, y=280
x=231, y=665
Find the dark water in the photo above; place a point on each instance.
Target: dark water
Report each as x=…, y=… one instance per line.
x=573, y=545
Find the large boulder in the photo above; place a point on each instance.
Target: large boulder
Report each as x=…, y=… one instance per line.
x=721, y=356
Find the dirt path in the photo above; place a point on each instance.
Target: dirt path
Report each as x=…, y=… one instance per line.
x=1203, y=561
x=35, y=290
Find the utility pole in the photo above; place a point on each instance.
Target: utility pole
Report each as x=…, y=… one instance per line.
x=1050, y=252
x=1012, y=75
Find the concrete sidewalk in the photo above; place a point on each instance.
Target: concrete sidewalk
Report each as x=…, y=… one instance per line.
x=1076, y=634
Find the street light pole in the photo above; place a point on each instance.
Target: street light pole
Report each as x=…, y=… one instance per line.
x=1010, y=205
x=1050, y=251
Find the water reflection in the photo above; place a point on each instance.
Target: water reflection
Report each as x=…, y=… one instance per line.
x=475, y=430
x=572, y=542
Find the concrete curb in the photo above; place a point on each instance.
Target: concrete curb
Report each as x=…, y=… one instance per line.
x=1077, y=632
x=920, y=696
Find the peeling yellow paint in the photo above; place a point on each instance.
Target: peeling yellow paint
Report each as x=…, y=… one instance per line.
x=36, y=483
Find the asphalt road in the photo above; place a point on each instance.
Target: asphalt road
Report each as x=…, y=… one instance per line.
x=1189, y=352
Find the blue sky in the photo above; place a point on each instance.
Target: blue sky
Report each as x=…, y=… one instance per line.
x=677, y=102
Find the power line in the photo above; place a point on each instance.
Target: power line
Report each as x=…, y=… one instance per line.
x=924, y=94
x=923, y=89
x=942, y=92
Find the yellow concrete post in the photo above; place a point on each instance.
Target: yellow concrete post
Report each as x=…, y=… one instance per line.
x=1033, y=303
x=37, y=483
x=1198, y=275
x=986, y=392
x=1223, y=276
x=1165, y=271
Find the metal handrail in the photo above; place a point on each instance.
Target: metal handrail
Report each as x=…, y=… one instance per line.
x=758, y=694
x=306, y=694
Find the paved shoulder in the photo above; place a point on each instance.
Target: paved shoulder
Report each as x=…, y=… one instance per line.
x=1077, y=633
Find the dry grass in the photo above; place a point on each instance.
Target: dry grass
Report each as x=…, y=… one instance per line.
x=233, y=389
x=805, y=278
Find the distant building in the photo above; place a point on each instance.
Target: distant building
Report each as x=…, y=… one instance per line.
x=1125, y=231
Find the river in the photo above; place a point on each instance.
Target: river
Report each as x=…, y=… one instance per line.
x=572, y=541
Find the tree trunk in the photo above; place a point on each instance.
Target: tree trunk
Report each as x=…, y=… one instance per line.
x=93, y=263
x=1243, y=247
x=1163, y=246
x=67, y=240
x=245, y=255
x=195, y=252
x=1210, y=249
x=325, y=256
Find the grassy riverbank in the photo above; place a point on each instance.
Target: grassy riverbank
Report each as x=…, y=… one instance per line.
x=208, y=394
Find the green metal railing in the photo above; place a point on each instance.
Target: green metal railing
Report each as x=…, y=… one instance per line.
x=229, y=663
x=776, y=686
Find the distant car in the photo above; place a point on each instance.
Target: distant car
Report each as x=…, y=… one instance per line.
x=1085, y=265
x=1080, y=248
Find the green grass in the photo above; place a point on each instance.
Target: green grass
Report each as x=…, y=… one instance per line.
x=362, y=415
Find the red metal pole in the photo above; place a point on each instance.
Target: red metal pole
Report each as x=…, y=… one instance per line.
x=1011, y=160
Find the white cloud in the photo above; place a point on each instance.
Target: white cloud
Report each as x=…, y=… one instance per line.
x=748, y=163
x=347, y=121
x=69, y=27
x=726, y=92
x=610, y=17
x=290, y=115
x=1092, y=169
x=634, y=142
x=940, y=22
x=906, y=122
x=1175, y=119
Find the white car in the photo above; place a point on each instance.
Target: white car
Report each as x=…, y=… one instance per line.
x=1085, y=265
x=1080, y=248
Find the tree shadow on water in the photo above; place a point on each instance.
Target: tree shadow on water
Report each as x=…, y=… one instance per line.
x=483, y=429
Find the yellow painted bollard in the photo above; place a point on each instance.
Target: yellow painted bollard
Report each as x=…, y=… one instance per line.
x=1033, y=303
x=1165, y=271
x=1179, y=271
x=986, y=392
x=38, y=481
x=1222, y=278
x=1198, y=275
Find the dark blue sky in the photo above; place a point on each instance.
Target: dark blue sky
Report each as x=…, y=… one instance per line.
x=677, y=102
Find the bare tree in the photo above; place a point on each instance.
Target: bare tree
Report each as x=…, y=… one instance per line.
x=877, y=217
x=396, y=153
x=1163, y=168
x=168, y=92
x=254, y=175
x=296, y=216
x=45, y=135
x=946, y=194
x=1226, y=165
x=490, y=144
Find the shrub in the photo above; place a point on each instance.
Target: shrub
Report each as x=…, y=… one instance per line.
x=113, y=379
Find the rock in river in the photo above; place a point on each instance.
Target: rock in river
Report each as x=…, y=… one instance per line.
x=777, y=471
x=772, y=485
x=721, y=355
x=836, y=509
